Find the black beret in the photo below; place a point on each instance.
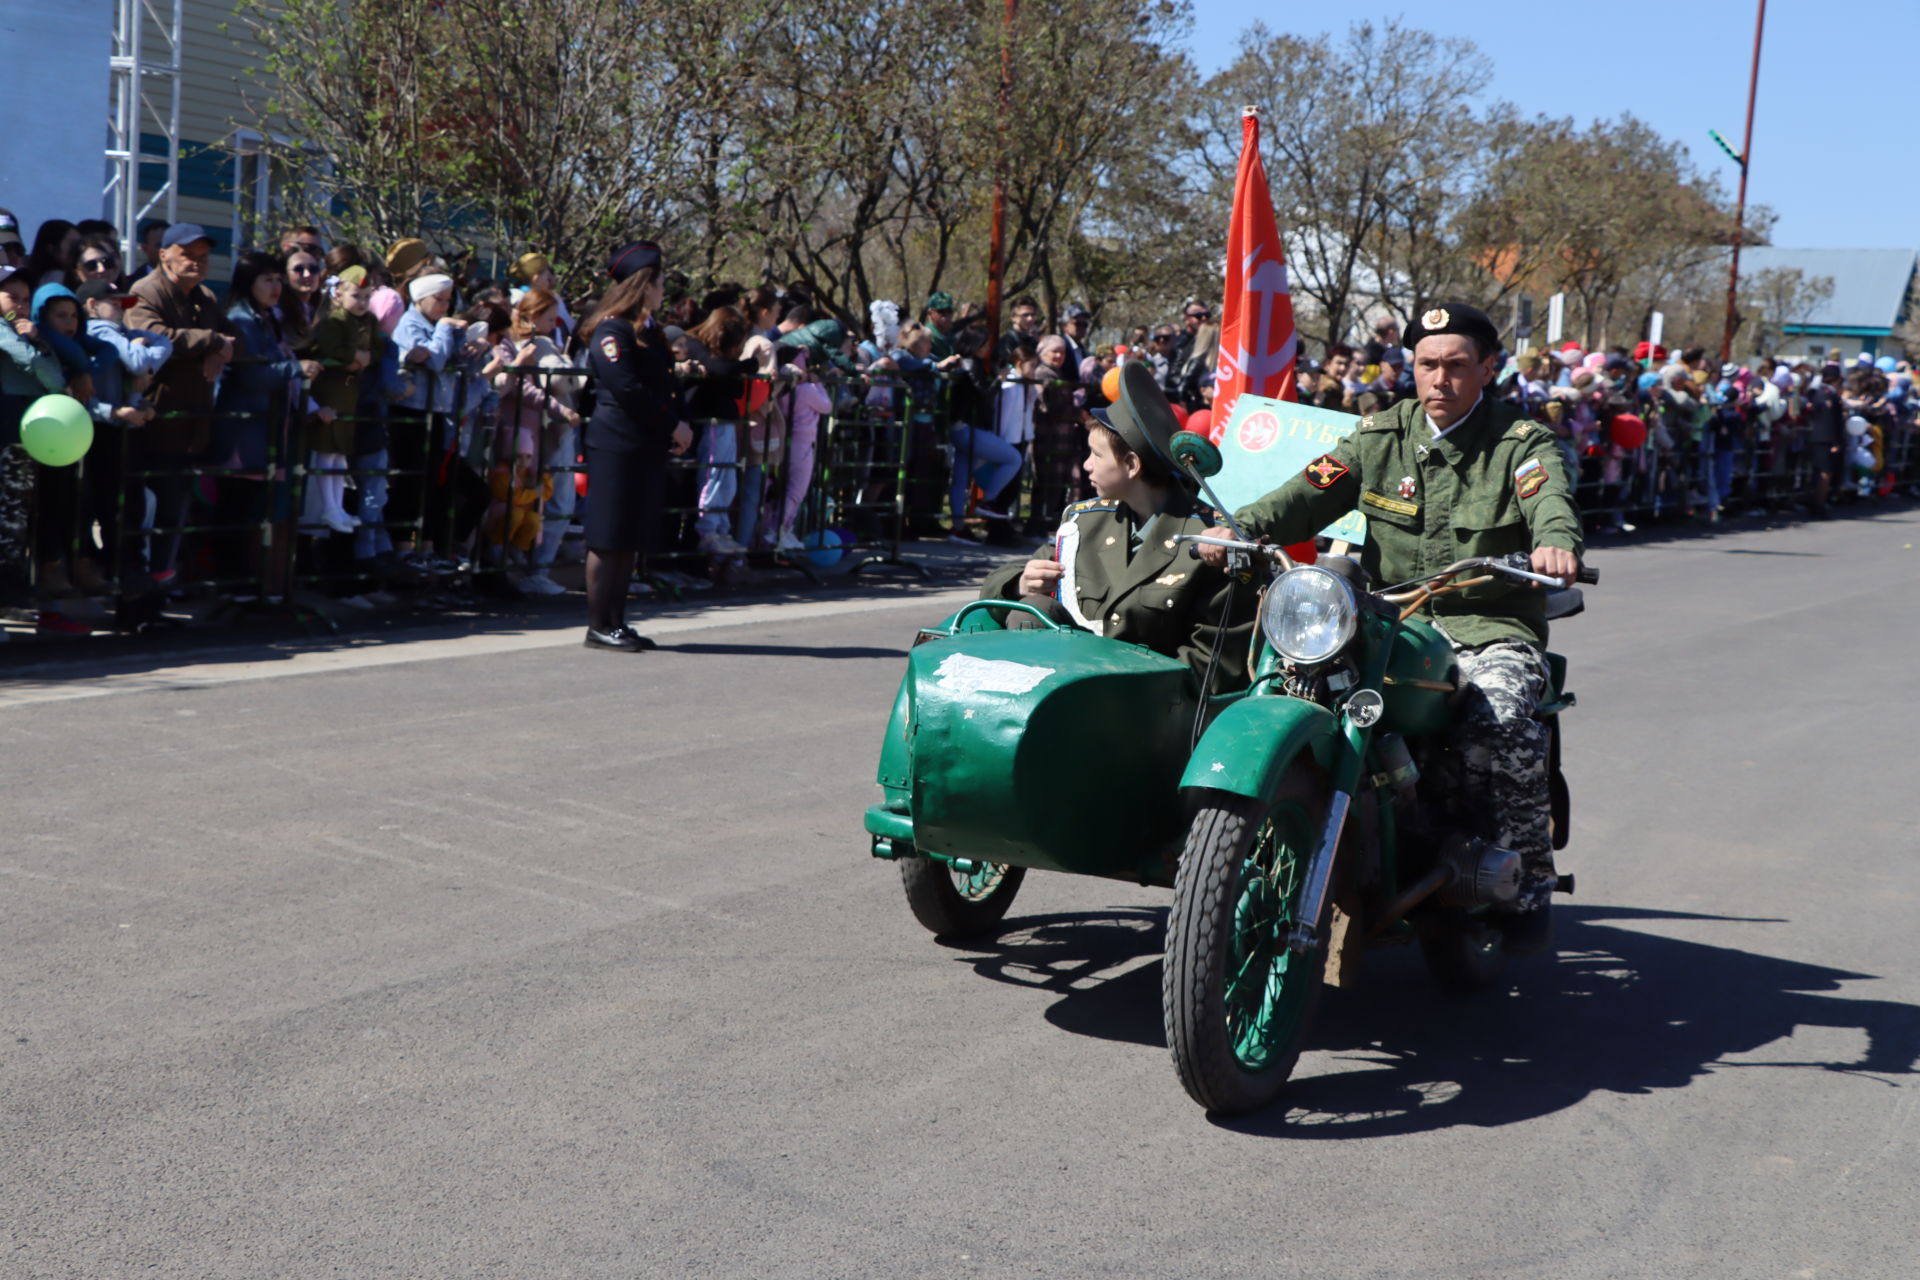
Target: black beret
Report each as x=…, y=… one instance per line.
x=634, y=257
x=1454, y=317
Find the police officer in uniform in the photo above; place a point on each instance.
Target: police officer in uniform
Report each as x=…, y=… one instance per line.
x=1114, y=567
x=1445, y=475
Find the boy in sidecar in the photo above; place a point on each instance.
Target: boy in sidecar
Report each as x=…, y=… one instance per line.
x=1114, y=568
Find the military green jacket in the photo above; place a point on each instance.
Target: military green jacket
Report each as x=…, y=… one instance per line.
x=1158, y=597
x=1494, y=484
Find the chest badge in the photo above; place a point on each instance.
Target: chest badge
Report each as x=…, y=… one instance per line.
x=1407, y=486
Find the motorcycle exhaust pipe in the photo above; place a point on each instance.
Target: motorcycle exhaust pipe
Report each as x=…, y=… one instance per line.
x=1412, y=896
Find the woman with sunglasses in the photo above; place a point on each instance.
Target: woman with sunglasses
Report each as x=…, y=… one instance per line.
x=99, y=260
x=303, y=300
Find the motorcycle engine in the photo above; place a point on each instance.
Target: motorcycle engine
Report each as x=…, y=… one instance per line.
x=1483, y=873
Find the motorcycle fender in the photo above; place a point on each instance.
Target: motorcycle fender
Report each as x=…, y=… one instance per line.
x=1250, y=744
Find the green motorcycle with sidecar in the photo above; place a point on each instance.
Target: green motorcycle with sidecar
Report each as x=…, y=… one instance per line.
x=1298, y=821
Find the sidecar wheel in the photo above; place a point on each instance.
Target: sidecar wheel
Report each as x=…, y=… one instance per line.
x=1235, y=999
x=954, y=904
x=1465, y=960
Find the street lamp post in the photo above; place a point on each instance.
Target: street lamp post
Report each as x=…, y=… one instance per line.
x=1740, y=211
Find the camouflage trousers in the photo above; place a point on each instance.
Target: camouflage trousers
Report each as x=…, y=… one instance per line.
x=16, y=517
x=1503, y=752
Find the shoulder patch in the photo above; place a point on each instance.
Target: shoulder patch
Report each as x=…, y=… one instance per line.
x=610, y=348
x=1531, y=483
x=1324, y=471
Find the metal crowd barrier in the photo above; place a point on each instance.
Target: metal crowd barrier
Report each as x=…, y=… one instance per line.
x=462, y=491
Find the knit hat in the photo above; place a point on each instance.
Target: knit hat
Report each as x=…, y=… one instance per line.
x=424, y=287
x=405, y=255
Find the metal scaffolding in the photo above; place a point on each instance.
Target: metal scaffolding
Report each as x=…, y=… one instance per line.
x=145, y=101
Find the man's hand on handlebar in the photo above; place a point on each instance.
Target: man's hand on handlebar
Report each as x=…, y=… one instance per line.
x=1215, y=556
x=1556, y=562
x=1039, y=578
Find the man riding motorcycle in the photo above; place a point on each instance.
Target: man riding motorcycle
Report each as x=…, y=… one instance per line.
x=1441, y=477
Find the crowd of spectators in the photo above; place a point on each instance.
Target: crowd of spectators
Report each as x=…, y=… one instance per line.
x=357, y=422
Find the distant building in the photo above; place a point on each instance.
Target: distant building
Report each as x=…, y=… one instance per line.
x=1870, y=292
x=163, y=84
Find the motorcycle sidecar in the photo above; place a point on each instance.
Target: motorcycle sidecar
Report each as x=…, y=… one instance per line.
x=1051, y=749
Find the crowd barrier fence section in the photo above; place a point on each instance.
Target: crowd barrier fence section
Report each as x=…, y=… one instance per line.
x=490, y=477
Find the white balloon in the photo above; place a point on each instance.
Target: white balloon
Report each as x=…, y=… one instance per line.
x=1856, y=425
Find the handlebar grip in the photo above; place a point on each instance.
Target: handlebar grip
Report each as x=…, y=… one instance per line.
x=1193, y=551
x=1587, y=574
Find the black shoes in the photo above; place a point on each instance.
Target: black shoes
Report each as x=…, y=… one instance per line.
x=621, y=639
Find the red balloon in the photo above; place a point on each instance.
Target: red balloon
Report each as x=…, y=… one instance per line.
x=1180, y=415
x=1627, y=431
x=580, y=483
x=1200, y=422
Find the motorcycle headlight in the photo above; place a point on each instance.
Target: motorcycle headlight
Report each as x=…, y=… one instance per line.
x=1310, y=615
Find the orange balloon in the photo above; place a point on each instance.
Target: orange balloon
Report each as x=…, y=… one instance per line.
x=1110, y=385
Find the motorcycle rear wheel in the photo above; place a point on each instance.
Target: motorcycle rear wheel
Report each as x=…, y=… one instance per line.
x=1235, y=1000
x=958, y=904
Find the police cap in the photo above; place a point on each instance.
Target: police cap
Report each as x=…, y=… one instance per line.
x=1469, y=322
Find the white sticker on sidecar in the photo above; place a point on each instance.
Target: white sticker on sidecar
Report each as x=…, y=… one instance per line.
x=964, y=673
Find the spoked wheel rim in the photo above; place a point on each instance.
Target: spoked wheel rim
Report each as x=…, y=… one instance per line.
x=1267, y=986
x=979, y=885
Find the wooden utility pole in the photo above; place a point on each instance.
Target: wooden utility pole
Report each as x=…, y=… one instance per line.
x=997, y=252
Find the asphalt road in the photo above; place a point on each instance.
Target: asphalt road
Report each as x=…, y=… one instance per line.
x=495, y=957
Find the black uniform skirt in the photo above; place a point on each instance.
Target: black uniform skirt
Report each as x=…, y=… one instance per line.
x=626, y=490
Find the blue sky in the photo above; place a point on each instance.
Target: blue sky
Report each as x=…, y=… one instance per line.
x=1833, y=136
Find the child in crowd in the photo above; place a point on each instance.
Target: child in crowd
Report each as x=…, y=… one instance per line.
x=537, y=418
x=67, y=550
x=343, y=344
x=28, y=370
x=804, y=404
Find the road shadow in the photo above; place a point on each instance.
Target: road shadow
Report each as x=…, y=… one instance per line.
x=785, y=650
x=1616, y=1011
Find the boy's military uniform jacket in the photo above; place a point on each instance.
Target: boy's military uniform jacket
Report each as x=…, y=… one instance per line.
x=1494, y=484
x=1127, y=579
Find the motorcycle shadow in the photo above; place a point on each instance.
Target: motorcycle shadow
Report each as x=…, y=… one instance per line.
x=1616, y=1010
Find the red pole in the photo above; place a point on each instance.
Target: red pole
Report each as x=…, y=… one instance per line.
x=997, y=250
x=1740, y=212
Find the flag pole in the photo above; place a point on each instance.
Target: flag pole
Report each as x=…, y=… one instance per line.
x=1740, y=210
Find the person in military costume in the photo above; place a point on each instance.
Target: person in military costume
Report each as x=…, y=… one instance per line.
x=1114, y=568
x=1443, y=476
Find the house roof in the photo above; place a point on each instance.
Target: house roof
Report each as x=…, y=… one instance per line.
x=1869, y=285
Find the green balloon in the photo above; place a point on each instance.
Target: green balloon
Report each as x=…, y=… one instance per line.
x=57, y=431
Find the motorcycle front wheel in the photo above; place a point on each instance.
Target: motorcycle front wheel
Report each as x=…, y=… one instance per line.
x=1236, y=1001
x=956, y=904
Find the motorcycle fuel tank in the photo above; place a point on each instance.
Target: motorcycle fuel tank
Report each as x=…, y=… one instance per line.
x=1421, y=677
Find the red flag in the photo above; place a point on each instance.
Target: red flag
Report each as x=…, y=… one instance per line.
x=1257, y=339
